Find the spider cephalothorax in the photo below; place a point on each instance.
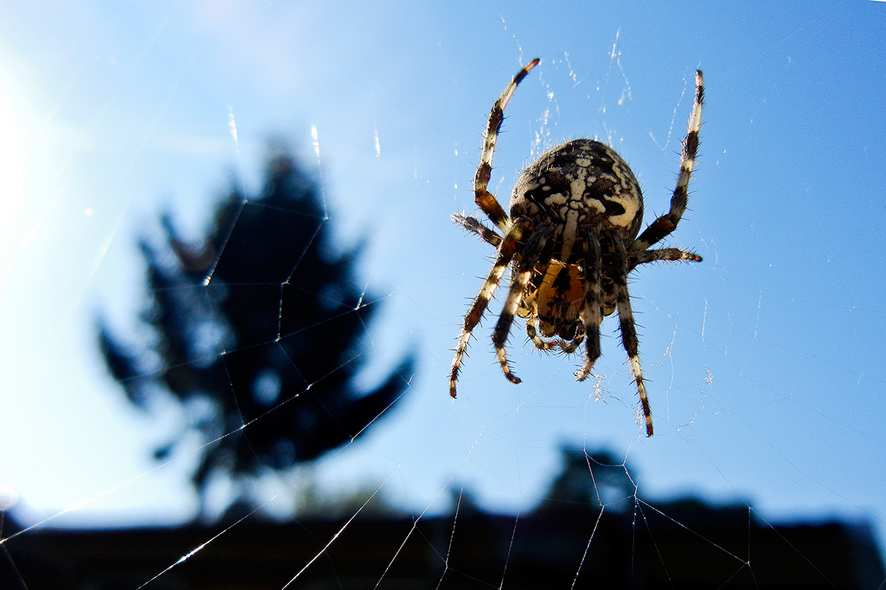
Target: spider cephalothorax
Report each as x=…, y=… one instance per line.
x=572, y=238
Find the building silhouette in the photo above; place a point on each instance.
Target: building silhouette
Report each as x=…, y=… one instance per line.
x=567, y=541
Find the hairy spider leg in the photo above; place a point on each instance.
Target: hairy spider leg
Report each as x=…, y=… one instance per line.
x=626, y=320
x=481, y=301
x=484, y=199
x=662, y=254
x=529, y=258
x=664, y=225
x=475, y=226
x=593, y=304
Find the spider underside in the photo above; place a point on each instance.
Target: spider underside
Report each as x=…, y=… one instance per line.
x=571, y=239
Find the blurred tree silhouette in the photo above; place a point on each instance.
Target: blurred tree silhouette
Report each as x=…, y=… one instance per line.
x=591, y=480
x=263, y=323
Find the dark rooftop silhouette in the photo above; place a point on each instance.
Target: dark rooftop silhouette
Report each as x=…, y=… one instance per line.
x=568, y=538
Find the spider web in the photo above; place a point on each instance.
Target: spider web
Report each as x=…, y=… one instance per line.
x=762, y=360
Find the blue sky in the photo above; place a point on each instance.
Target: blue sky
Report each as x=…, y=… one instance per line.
x=765, y=361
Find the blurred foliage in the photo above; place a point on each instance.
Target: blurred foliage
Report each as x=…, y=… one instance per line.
x=261, y=323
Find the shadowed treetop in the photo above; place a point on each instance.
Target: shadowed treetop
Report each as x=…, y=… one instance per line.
x=263, y=322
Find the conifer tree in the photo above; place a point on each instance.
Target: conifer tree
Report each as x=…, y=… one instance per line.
x=260, y=326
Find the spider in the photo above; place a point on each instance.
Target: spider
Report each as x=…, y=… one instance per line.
x=571, y=240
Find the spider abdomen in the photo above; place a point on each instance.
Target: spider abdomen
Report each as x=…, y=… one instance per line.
x=578, y=184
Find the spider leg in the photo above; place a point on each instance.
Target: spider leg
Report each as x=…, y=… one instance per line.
x=475, y=226
x=484, y=199
x=626, y=320
x=665, y=224
x=662, y=254
x=593, y=302
x=532, y=253
x=478, y=307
